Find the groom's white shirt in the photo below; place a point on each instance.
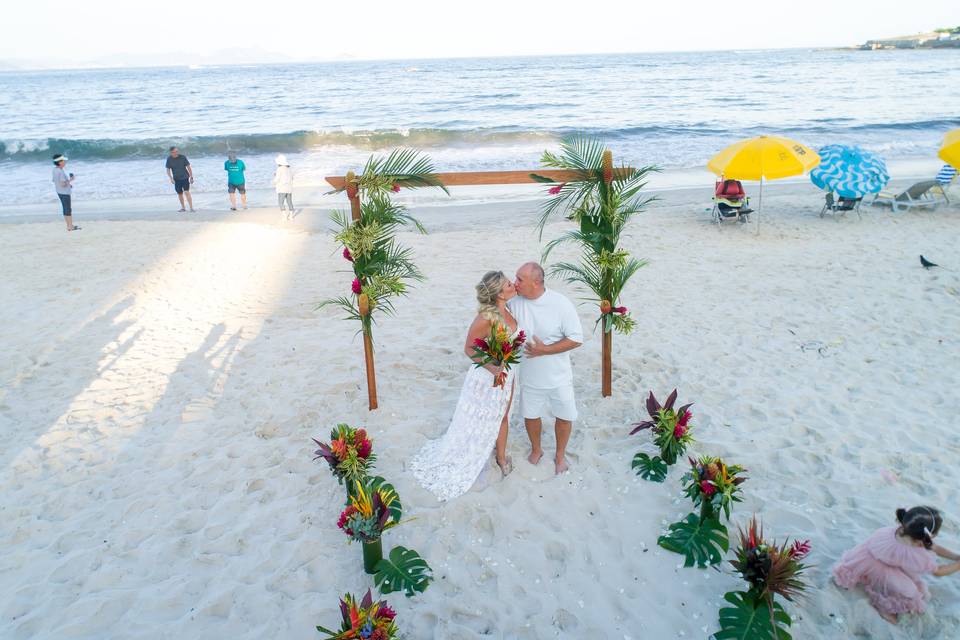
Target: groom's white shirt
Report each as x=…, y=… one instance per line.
x=550, y=318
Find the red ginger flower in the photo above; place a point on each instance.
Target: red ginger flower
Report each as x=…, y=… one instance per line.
x=386, y=612
x=679, y=430
x=480, y=343
x=395, y=188
x=620, y=310
x=344, y=516
x=684, y=418
x=800, y=549
x=378, y=634
x=356, y=286
x=707, y=488
x=347, y=254
x=364, y=447
x=555, y=190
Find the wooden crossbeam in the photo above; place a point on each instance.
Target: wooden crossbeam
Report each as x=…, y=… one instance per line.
x=472, y=178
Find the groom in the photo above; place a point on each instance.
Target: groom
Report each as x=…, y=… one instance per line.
x=546, y=378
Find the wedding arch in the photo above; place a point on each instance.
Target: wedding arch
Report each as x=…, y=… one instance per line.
x=349, y=183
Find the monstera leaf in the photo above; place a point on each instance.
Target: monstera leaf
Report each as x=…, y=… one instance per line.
x=653, y=469
x=403, y=570
x=702, y=542
x=374, y=483
x=750, y=619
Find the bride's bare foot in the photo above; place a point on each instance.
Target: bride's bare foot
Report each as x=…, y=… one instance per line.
x=890, y=617
x=506, y=466
x=562, y=466
x=535, y=456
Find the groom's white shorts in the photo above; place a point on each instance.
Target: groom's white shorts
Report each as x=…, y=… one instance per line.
x=558, y=402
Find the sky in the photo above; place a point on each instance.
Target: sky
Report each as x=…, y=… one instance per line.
x=215, y=31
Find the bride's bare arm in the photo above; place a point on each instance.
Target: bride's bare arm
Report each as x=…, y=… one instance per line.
x=480, y=328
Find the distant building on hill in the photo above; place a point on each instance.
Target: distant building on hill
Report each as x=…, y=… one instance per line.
x=939, y=39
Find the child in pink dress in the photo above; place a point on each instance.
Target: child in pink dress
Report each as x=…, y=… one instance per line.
x=890, y=563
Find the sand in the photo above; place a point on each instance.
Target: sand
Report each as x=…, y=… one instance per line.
x=160, y=381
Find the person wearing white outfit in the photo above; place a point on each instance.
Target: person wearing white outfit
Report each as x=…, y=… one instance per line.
x=546, y=377
x=450, y=465
x=283, y=181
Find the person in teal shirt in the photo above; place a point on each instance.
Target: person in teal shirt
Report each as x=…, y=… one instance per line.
x=235, y=180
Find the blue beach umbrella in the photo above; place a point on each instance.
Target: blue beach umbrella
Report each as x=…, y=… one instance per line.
x=851, y=172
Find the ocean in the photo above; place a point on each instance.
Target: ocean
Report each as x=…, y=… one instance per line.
x=670, y=109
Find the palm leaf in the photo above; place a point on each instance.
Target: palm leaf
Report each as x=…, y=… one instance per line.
x=374, y=483
x=405, y=570
x=653, y=469
x=752, y=619
x=701, y=542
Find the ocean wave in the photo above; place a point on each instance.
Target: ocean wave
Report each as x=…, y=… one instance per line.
x=33, y=150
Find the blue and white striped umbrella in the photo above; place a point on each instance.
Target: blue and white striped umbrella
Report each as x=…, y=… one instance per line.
x=851, y=172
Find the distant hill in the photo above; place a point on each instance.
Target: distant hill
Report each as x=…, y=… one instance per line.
x=943, y=38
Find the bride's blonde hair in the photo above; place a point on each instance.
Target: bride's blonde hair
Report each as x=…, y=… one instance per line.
x=488, y=290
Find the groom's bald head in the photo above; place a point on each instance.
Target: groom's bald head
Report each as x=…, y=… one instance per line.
x=530, y=280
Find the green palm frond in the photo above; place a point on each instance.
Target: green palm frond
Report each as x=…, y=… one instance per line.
x=404, y=167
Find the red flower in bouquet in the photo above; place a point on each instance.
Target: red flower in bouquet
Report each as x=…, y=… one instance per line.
x=707, y=488
x=347, y=254
x=344, y=516
x=356, y=286
x=555, y=190
x=395, y=188
x=799, y=550
x=363, y=444
x=386, y=612
x=498, y=349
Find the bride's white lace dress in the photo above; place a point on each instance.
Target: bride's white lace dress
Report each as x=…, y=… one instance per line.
x=448, y=466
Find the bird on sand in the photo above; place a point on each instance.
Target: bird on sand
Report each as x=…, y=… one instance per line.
x=926, y=263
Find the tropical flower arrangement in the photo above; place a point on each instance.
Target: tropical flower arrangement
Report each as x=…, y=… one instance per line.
x=382, y=269
x=498, y=349
x=364, y=620
x=770, y=570
x=369, y=513
x=713, y=485
x=375, y=508
x=671, y=434
x=349, y=454
x=601, y=201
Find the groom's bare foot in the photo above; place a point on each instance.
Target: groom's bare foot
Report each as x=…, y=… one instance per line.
x=535, y=456
x=562, y=466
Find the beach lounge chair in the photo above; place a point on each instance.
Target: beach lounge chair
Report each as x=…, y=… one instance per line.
x=840, y=205
x=730, y=202
x=946, y=177
x=922, y=194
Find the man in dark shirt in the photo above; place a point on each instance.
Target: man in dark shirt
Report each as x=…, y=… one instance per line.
x=181, y=176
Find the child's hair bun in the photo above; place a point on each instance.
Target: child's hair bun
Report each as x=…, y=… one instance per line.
x=901, y=514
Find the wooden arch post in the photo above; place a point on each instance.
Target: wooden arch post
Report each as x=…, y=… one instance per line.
x=479, y=178
x=363, y=302
x=606, y=373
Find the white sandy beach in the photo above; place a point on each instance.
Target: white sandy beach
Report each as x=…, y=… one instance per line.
x=160, y=381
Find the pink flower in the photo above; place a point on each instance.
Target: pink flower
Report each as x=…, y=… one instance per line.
x=356, y=286
x=678, y=431
x=347, y=254
x=800, y=549
x=386, y=612
x=684, y=418
x=707, y=488
x=620, y=310
x=555, y=190
x=480, y=343
x=395, y=188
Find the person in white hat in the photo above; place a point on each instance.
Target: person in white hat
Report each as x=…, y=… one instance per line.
x=63, y=183
x=283, y=181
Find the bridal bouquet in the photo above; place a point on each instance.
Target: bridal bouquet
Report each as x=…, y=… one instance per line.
x=498, y=349
x=770, y=570
x=365, y=619
x=349, y=454
x=713, y=485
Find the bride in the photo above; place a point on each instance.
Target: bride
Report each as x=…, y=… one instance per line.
x=450, y=465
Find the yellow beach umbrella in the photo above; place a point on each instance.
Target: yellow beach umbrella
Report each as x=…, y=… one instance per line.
x=765, y=157
x=950, y=149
